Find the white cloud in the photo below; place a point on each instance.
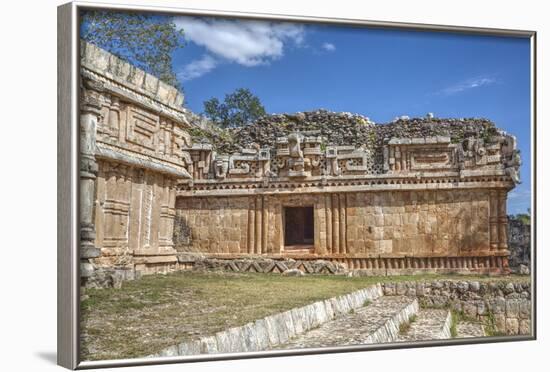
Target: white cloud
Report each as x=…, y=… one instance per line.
x=468, y=84
x=249, y=43
x=329, y=47
x=197, y=68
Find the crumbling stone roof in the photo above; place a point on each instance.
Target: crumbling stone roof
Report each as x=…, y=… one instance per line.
x=342, y=128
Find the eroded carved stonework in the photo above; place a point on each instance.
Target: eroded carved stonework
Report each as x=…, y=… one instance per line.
x=436, y=206
x=133, y=136
x=300, y=157
x=398, y=204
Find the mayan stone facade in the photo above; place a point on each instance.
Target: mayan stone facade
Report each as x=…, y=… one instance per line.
x=133, y=130
x=438, y=206
x=410, y=196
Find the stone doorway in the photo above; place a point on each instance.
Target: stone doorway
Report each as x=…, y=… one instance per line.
x=299, y=228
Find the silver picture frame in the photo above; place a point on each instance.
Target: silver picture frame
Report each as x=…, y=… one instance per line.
x=68, y=285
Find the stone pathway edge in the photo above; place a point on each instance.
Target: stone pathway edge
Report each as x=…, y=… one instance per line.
x=390, y=330
x=446, y=331
x=277, y=329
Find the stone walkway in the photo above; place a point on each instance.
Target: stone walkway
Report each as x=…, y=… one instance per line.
x=376, y=322
x=469, y=329
x=429, y=324
x=362, y=317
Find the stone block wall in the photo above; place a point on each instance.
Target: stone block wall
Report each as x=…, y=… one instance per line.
x=457, y=230
x=133, y=131
x=211, y=225
x=429, y=223
x=134, y=217
x=505, y=304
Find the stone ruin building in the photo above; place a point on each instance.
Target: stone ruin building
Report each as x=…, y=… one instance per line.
x=416, y=195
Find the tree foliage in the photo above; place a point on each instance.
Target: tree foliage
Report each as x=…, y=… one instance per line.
x=238, y=109
x=145, y=40
x=525, y=218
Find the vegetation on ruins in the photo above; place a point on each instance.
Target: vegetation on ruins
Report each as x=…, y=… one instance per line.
x=145, y=40
x=524, y=218
x=238, y=109
x=340, y=128
x=405, y=327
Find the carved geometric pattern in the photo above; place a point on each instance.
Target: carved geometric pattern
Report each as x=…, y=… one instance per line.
x=341, y=265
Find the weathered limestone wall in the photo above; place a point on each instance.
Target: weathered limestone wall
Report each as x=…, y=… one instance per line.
x=430, y=223
x=133, y=130
x=212, y=225
x=505, y=304
x=134, y=217
x=454, y=229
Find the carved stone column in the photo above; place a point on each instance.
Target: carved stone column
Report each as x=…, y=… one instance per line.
x=493, y=219
x=328, y=219
x=251, y=223
x=168, y=129
x=502, y=221
x=258, y=227
x=89, y=116
x=114, y=118
x=265, y=225
x=343, y=227
x=335, y=224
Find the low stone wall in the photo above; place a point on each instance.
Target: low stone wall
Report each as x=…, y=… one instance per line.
x=506, y=305
x=276, y=329
x=106, y=277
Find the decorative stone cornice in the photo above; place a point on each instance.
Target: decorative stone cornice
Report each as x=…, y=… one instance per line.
x=349, y=184
x=115, y=69
x=119, y=154
x=298, y=164
x=111, y=86
x=104, y=72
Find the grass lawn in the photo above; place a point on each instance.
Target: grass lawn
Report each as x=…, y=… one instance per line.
x=158, y=311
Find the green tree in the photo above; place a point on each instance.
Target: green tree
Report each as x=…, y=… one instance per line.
x=525, y=218
x=238, y=109
x=145, y=40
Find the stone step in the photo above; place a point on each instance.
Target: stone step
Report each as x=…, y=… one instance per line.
x=429, y=324
x=377, y=322
x=469, y=329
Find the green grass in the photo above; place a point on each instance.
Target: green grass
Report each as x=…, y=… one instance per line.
x=490, y=326
x=454, y=322
x=457, y=317
x=404, y=327
x=147, y=315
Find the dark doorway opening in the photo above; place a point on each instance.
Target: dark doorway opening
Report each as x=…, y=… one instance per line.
x=298, y=227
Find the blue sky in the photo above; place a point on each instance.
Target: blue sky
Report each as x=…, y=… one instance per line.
x=374, y=72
